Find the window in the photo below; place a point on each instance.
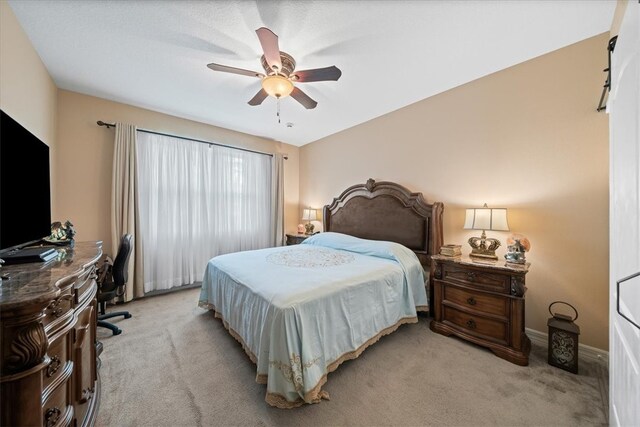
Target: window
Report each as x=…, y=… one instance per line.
x=197, y=201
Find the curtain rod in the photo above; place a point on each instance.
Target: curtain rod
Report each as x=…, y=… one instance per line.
x=109, y=125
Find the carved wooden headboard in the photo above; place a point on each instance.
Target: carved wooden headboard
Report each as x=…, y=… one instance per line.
x=387, y=211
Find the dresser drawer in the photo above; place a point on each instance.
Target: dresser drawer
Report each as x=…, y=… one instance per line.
x=59, y=352
x=59, y=311
x=56, y=410
x=84, y=284
x=491, y=329
x=478, y=279
x=477, y=301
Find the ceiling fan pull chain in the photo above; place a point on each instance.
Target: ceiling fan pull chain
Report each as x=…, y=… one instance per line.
x=278, y=113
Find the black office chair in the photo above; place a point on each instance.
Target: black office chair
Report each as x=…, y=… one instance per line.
x=111, y=283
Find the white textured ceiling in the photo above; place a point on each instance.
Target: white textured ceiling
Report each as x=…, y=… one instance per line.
x=391, y=53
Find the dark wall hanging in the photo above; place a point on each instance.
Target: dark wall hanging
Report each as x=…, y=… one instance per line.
x=607, y=84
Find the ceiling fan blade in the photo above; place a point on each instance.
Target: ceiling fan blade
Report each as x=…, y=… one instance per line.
x=317, y=74
x=303, y=99
x=234, y=70
x=260, y=96
x=269, y=41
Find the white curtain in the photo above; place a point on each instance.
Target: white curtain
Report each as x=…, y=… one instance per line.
x=198, y=201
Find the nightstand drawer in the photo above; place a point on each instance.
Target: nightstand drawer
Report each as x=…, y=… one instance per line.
x=296, y=239
x=478, y=279
x=478, y=301
x=483, y=327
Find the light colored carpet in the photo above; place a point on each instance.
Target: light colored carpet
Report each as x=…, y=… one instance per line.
x=175, y=364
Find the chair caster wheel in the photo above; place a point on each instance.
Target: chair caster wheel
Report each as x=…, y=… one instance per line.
x=118, y=332
x=127, y=316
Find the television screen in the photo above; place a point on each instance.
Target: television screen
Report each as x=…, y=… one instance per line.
x=25, y=195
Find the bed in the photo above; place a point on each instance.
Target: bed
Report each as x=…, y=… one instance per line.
x=300, y=311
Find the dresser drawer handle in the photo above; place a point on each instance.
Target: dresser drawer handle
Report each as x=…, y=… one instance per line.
x=471, y=324
x=87, y=394
x=53, y=367
x=52, y=416
x=471, y=276
x=57, y=309
x=471, y=301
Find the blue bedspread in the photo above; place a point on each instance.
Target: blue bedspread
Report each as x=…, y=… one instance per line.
x=299, y=311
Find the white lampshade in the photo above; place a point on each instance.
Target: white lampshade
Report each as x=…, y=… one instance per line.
x=277, y=86
x=309, y=214
x=486, y=219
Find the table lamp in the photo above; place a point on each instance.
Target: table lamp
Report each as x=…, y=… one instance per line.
x=309, y=215
x=485, y=218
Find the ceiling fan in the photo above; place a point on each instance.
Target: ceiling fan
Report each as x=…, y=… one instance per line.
x=280, y=75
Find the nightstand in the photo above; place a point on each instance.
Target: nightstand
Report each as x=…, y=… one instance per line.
x=482, y=302
x=296, y=239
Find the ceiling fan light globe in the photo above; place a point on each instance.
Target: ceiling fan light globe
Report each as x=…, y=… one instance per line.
x=277, y=86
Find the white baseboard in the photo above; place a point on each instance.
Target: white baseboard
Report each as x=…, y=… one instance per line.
x=585, y=352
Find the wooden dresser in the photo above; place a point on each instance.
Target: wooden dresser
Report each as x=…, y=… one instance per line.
x=482, y=302
x=48, y=340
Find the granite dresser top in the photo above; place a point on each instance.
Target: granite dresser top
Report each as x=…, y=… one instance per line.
x=37, y=281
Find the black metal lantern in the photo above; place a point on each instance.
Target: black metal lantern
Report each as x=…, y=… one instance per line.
x=563, y=340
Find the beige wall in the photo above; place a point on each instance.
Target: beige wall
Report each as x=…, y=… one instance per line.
x=526, y=138
x=27, y=92
x=86, y=153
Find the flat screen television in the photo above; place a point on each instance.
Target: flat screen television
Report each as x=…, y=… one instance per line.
x=25, y=189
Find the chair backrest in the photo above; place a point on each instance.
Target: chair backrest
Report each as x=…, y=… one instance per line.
x=121, y=263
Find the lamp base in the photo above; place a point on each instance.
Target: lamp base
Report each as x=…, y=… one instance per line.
x=308, y=227
x=484, y=254
x=480, y=248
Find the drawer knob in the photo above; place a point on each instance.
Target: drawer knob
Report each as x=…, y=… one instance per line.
x=471, y=324
x=471, y=276
x=471, y=301
x=52, y=416
x=53, y=367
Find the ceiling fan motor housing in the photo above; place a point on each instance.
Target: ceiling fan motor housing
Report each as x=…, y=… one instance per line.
x=288, y=65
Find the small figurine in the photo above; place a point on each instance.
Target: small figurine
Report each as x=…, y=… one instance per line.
x=300, y=229
x=62, y=232
x=517, y=246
